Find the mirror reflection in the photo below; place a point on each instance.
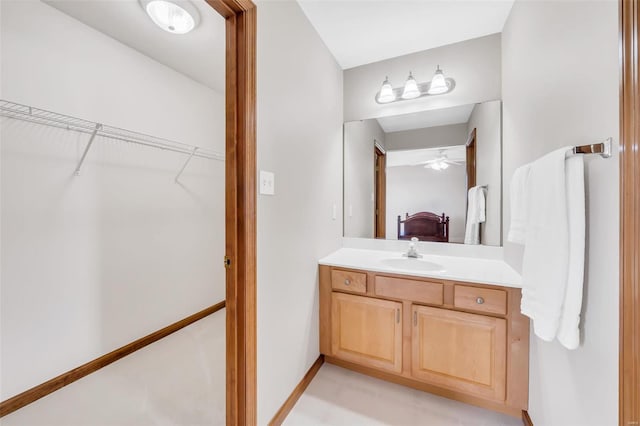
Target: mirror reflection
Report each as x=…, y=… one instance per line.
x=433, y=175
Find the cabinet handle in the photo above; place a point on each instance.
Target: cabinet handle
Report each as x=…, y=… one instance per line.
x=347, y=282
x=479, y=300
x=398, y=315
x=415, y=318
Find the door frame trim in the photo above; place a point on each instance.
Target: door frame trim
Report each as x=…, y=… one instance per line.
x=240, y=202
x=629, y=366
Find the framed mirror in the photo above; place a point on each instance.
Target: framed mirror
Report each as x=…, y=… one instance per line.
x=434, y=175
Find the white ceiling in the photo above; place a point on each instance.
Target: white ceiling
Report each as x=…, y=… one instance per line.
x=422, y=119
x=199, y=55
x=359, y=32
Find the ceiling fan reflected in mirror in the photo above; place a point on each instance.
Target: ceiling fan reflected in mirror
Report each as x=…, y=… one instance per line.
x=442, y=162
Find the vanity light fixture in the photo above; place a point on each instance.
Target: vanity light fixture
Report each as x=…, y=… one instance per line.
x=438, y=85
x=411, y=90
x=386, y=94
x=175, y=16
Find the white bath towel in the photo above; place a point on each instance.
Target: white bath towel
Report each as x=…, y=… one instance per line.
x=476, y=214
x=519, y=204
x=554, y=246
x=569, y=331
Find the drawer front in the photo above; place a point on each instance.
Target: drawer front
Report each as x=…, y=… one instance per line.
x=480, y=299
x=416, y=291
x=355, y=282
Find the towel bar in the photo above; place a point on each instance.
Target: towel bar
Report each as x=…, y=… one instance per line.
x=602, y=148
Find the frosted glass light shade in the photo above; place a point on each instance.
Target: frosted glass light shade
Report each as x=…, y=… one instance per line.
x=411, y=90
x=386, y=92
x=438, y=83
x=170, y=16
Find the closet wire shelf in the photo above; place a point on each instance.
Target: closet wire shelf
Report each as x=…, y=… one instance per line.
x=48, y=118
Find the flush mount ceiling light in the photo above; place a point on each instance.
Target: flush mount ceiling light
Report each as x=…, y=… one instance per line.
x=438, y=85
x=175, y=16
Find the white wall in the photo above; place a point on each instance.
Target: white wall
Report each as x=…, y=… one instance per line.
x=300, y=139
x=428, y=137
x=560, y=87
x=93, y=262
x=413, y=189
x=359, y=177
x=474, y=64
x=486, y=118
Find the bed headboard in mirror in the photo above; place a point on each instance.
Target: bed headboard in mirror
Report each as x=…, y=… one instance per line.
x=435, y=175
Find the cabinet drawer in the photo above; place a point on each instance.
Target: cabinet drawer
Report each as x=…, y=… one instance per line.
x=480, y=299
x=349, y=281
x=416, y=291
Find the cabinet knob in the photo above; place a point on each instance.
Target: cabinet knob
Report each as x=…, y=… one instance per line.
x=347, y=282
x=479, y=300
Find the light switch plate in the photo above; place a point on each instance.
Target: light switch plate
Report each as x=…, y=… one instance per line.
x=267, y=183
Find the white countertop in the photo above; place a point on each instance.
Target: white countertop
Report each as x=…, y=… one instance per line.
x=455, y=268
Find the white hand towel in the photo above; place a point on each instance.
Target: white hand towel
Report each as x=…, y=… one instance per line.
x=519, y=204
x=476, y=214
x=569, y=332
x=553, y=240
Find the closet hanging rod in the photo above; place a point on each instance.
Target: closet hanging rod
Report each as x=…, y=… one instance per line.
x=48, y=118
x=602, y=148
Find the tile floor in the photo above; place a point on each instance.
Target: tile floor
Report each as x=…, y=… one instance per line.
x=179, y=380
x=340, y=397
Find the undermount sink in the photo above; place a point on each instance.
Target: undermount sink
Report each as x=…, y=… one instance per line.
x=411, y=264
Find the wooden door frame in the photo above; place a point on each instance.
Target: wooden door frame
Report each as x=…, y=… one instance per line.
x=380, y=180
x=629, y=368
x=240, y=202
x=470, y=159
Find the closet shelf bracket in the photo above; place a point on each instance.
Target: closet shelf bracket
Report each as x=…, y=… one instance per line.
x=87, y=148
x=184, y=166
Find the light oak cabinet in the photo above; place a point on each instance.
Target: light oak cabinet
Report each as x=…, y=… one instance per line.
x=463, y=341
x=367, y=331
x=460, y=351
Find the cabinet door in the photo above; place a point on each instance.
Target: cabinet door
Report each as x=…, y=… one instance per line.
x=459, y=351
x=367, y=331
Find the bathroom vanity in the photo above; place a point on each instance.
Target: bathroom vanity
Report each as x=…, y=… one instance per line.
x=442, y=324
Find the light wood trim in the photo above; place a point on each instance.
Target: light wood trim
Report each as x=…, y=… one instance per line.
x=367, y=343
x=426, y=387
x=471, y=160
x=629, y=369
x=325, y=309
x=240, y=209
x=494, y=301
x=454, y=368
x=517, y=352
x=31, y=395
x=428, y=292
x=288, y=405
x=351, y=281
x=526, y=420
x=381, y=193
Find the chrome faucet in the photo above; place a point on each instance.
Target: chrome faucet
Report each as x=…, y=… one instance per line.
x=413, y=250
